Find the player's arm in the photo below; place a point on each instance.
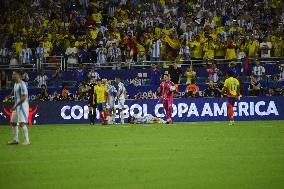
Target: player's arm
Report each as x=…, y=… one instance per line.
x=224, y=89
x=159, y=91
x=21, y=101
x=238, y=93
x=119, y=92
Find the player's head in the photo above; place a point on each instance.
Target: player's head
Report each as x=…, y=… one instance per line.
x=229, y=73
x=117, y=80
x=104, y=81
x=42, y=72
x=131, y=120
x=99, y=81
x=257, y=62
x=92, y=80
x=43, y=87
x=16, y=76
x=166, y=77
x=80, y=65
x=109, y=82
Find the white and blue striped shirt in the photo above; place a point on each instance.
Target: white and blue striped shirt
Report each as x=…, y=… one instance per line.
x=101, y=55
x=26, y=55
x=258, y=71
x=40, y=51
x=121, y=91
x=20, y=89
x=187, y=36
x=156, y=49
x=42, y=80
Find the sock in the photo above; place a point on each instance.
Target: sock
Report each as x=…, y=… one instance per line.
x=113, y=118
x=122, y=117
x=94, y=113
x=102, y=116
x=26, y=133
x=109, y=120
x=16, y=133
x=231, y=113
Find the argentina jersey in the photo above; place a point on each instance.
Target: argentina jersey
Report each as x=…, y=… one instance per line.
x=20, y=115
x=143, y=119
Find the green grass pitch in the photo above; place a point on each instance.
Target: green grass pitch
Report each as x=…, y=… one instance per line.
x=249, y=155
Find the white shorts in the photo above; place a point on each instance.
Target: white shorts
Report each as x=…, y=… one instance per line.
x=110, y=103
x=21, y=114
x=120, y=104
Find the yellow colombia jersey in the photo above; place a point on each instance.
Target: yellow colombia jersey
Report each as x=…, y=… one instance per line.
x=100, y=91
x=232, y=85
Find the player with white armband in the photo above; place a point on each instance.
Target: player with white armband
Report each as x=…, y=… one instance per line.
x=20, y=109
x=120, y=96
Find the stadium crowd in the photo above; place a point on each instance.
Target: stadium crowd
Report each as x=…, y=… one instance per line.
x=120, y=32
x=138, y=30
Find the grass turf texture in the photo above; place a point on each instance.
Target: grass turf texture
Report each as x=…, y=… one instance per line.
x=185, y=155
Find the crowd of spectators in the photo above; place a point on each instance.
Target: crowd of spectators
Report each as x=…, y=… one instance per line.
x=137, y=30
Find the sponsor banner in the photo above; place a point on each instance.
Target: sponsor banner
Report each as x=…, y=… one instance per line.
x=184, y=110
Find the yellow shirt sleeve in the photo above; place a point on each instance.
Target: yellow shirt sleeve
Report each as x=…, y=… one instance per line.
x=226, y=83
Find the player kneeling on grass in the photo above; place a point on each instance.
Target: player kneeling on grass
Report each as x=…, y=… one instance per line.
x=147, y=119
x=101, y=92
x=20, y=109
x=232, y=90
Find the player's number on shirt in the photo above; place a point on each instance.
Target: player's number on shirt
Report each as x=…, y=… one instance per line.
x=233, y=87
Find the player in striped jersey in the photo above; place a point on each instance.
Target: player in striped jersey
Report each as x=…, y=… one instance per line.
x=120, y=96
x=101, y=52
x=156, y=50
x=20, y=114
x=147, y=119
x=110, y=102
x=258, y=70
x=26, y=55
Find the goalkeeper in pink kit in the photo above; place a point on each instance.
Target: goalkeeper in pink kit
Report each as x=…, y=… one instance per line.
x=166, y=91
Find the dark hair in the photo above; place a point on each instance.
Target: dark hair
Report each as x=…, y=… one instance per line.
x=230, y=73
x=18, y=72
x=130, y=119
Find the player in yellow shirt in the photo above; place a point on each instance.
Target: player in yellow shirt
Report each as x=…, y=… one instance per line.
x=252, y=46
x=208, y=49
x=232, y=89
x=100, y=92
x=190, y=74
x=196, y=48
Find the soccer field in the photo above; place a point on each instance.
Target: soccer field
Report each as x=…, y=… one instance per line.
x=249, y=155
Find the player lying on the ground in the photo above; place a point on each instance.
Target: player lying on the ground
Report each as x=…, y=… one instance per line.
x=147, y=119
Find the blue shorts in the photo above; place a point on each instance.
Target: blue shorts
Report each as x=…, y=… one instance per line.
x=101, y=106
x=231, y=100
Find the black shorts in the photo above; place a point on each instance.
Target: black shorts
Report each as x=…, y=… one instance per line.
x=91, y=103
